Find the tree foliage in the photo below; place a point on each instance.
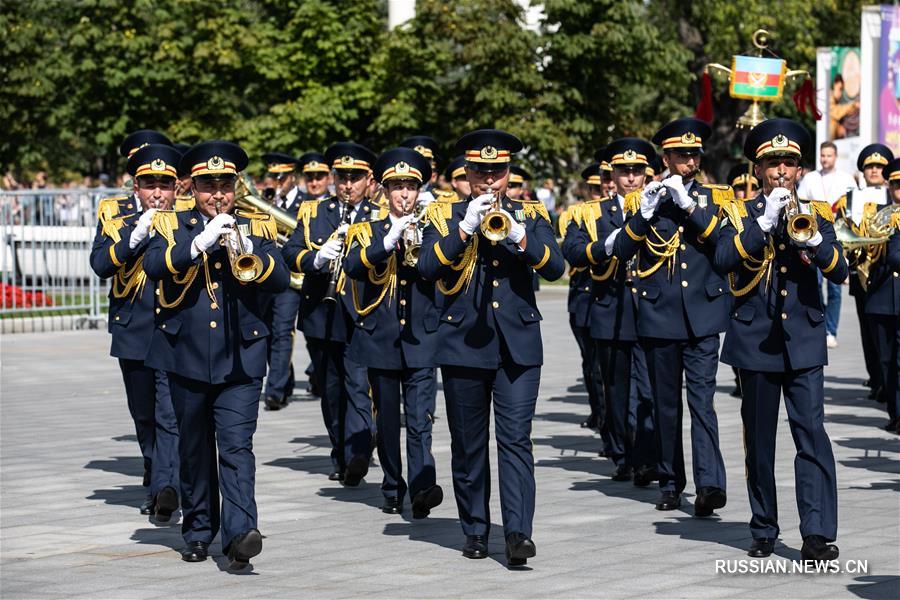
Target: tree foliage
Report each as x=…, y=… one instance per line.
x=295, y=75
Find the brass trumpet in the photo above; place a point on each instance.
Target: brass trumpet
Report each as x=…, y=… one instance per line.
x=801, y=227
x=495, y=225
x=245, y=266
x=412, y=236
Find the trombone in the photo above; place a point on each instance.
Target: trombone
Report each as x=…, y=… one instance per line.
x=495, y=225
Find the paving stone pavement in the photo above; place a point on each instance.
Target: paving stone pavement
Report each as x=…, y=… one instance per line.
x=70, y=487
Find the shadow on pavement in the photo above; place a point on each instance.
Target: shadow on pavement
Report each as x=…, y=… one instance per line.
x=317, y=464
x=716, y=531
x=133, y=466
x=446, y=532
x=876, y=587
x=126, y=495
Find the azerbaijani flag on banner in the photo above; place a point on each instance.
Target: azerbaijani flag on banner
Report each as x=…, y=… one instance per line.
x=757, y=78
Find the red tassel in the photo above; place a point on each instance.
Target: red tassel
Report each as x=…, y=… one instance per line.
x=805, y=99
x=704, y=110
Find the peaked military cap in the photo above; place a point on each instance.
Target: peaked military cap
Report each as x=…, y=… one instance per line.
x=874, y=154
x=182, y=148
x=591, y=174
x=777, y=137
x=215, y=158
x=685, y=135
x=142, y=137
x=313, y=162
x=158, y=160
x=349, y=155
x=423, y=144
x=603, y=158
x=456, y=168
x=737, y=176
x=892, y=170
x=629, y=151
x=656, y=165
x=488, y=149
x=518, y=175
x=402, y=163
x=279, y=162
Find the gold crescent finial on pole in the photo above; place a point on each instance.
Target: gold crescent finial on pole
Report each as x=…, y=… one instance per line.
x=761, y=38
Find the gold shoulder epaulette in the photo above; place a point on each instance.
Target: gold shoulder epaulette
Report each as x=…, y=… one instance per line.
x=437, y=214
x=165, y=222
x=184, y=203
x=360, y=232
x=444, y=196
x=308, y=210
x=735, y=211
x=841, y=204
x=108, y=208
x=822, y=208
x=721, y=194
x=532, y=208
x=895, y=219
x=262, y=225
x=590, y=211
x=564, y=218
x=633, y=202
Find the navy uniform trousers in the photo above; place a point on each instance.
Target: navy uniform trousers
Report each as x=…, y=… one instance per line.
x=814, y=473
x=282, y=320
x=224, y=416
x=468, y=392
x=640, y=412
x=150, y=405
x=886, y=337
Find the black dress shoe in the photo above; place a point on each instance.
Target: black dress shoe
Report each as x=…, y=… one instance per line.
x=476, y=547
x=148, y=506
x=591, y=422
x=623, y=473
x=708, y=499
x=273, y=403
x=644, y=476
x=892, y=425
x=519, y=549
x=195, y=552
x=243, y=548
x=604, y=453
x=392, y=505
x=668, y=501
x=735, y=393
x=336, y=476
x=356, y=470
x=166, y=504
x=761, y=547
x=815, y=547
x=867, y=383
x=425, y=500
x=879, y=395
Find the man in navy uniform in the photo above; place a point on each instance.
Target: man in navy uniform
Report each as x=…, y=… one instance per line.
x=395, y=337
x=851, y=208
x=428, y=147
x=328, y=326
x=118, y=252
x=282, y=191
x=579, y=306
x=212, y=341
x=489, y=337
x=614, y=307
x=455, y=174
x=776, y=337
x=883, y=301
x=682, y=308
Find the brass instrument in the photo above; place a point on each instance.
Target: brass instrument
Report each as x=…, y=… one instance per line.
x=245, y=266
x=801, y=227
x=337, y=264
x=862, y=249
x=495, y=225
x=412, y=236
x=247, y=198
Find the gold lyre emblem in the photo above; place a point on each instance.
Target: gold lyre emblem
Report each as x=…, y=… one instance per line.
x=346, y=161
x=779, y=141
x=629, y=155
x=401, y=167
x=489, y=152
x=158, y=165
x=688, y=138
x=215, y=163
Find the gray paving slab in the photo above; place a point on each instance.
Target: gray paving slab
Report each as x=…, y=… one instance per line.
x=70, y=488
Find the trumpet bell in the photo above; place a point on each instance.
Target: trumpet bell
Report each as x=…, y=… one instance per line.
x=246, y=267
x=495, y=226
x=801, y=227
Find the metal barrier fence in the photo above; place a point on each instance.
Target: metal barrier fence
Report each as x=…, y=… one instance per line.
x=46, y=281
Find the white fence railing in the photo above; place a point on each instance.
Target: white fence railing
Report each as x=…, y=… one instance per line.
x=45, y=246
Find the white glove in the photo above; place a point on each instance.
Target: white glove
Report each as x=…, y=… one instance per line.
x=774, y=203
x=342, y=229
x=425, y=198
x=141, y=229
x=812, y=242
x=516, y=229
x=610, y=241
x=650, y=198
x=396, y=232
x=207, y=238
x=678, y=191
x=328, y=252
x=475, y=212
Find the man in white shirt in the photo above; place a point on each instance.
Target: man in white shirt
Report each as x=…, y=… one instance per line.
x=829, y=184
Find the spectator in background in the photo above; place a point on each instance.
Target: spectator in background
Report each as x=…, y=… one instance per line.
x=547, y=196
x=830, y=184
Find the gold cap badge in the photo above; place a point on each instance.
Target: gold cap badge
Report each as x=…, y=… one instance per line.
x=346, y=161
x=489, y=152
x=779, y=141
x=215, y=162
x=401, y=167
x=158, y=165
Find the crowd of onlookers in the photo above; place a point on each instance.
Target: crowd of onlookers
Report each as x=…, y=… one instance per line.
x=69, y=202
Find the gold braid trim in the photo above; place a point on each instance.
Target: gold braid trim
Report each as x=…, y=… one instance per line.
x=261, y=224
x=186, y=280
x=564, y=219
x=183, y=203
x=437, y=214
x=633, y=202
x=308, y=210
x=613, y=263
x=466, y=266
x=722, y=195
x=387, y=279
x=590, y=213
x=733, y=213
x=130, y=281
x=361, y=233
x=532, y=209
x=754, y=265
x=895, y=219
x=110, y=221
x=165, y=222
x=664, y=249
x=821, y=208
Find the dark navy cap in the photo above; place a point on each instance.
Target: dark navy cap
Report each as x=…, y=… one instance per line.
x=874, y=154
x=737, y=176
x=629, y=151
x=141, y=137
x=158, y=160
x=591, y=174
x=892, y=170
x=279, y=162
x=777, y=137
x=313, y=162
x=456, y=168
x=685, y=135
x=402, y=163
x=349, y=155
x=656, y=165
x=181, y=147
x=214, y=158
x=488, y=149
x=518, y=175
x=424, y=145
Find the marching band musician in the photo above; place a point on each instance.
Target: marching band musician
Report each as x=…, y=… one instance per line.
x=776, y=336
x=428, y=147
x=489, y=341
x=118, y=252
x=883, y=301
x=682, y=308
x=211, y=340
x=314, y=171
x=316, y=249
x=455, y=174
x=395, y=340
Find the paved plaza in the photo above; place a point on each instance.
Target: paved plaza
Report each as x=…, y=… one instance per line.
x=70, y=475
